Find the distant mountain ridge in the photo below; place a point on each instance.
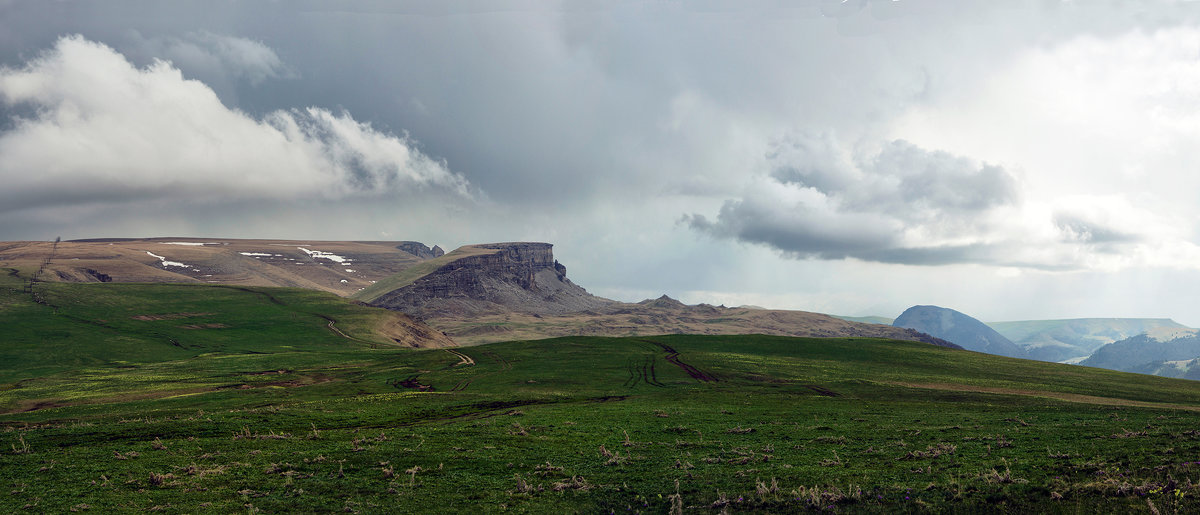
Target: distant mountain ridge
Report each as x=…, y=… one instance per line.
x=1061, y=340
x=958, y=328
x=1144, y=352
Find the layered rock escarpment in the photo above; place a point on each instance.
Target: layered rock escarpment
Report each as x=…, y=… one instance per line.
x=521, y=277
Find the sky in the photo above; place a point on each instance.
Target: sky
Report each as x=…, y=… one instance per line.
x=1012, y=160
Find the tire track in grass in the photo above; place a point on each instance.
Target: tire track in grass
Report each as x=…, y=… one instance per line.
x=821, y=390
x=463, y=358
x=673, y=358
x=504, y=364
x=632, y=369
x=642, y=372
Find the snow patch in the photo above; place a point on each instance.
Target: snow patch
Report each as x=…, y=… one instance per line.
x=166, y=263
x=188, y=243
x=349, y=271
x=255, y=254
x=317, y=254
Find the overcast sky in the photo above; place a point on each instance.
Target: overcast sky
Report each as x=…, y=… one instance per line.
x=1012, y=160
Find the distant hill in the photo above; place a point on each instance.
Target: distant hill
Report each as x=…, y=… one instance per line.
x=1145, y=353
x=867, y=319
x=478, y=293
x=958, y=328
x=1061, y=340
x=341, y=267
x=665, y=315
x=1182, y=369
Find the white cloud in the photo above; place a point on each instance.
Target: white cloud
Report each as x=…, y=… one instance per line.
x=895, y=203
x=1102, y=132
x=104, y=130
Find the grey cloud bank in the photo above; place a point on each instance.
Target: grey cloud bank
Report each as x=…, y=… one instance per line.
x=813, y=150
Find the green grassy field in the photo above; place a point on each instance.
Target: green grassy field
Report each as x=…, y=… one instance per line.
x=112, y=403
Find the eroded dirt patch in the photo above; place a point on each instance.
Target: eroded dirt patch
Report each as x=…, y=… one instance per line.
x=1069, y=397
x=204, y=326
x=168, y=316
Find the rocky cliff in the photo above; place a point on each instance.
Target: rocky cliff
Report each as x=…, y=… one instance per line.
x=419, y=249
x=520, y=277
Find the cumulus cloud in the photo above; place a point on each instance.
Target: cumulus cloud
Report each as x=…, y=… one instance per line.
x=103, y=130
x=898, y=203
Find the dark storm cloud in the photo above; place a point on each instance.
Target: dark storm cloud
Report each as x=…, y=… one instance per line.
x=560, y=111
x=563, y=104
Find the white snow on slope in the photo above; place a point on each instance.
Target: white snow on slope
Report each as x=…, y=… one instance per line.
x=166, y=263
x=317, y=254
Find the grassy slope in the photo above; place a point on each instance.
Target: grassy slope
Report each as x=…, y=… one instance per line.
x=592, y=424
x=100, y=341
x=411, y=274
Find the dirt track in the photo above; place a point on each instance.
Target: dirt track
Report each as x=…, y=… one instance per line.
x=463, y=358
x=673, y=358
x=1069, y=397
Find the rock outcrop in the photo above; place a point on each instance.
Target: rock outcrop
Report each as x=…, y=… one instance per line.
x=419, y=249
x=519, y=277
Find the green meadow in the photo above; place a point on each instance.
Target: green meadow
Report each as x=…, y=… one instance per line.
x=206, y=399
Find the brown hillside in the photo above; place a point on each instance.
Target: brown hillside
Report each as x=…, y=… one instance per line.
x=664, y=316
x=341, y=267
x=476, y=294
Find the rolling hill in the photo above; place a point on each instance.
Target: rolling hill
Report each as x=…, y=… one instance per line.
x=193, y=398
x=956, y=327
x=665, y=316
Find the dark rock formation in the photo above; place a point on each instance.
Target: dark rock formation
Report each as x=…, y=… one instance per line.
x=100, y=276
x=518, y=277
x=419, y=249
x=957, y=328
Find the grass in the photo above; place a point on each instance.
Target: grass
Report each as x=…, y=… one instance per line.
x=287, y=416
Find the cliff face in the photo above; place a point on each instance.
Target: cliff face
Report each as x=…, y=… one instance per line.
x=518, y=277
x=419, y=249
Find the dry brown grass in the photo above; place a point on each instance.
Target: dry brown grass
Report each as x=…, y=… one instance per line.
x=1069, y=397
x=638, y=320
